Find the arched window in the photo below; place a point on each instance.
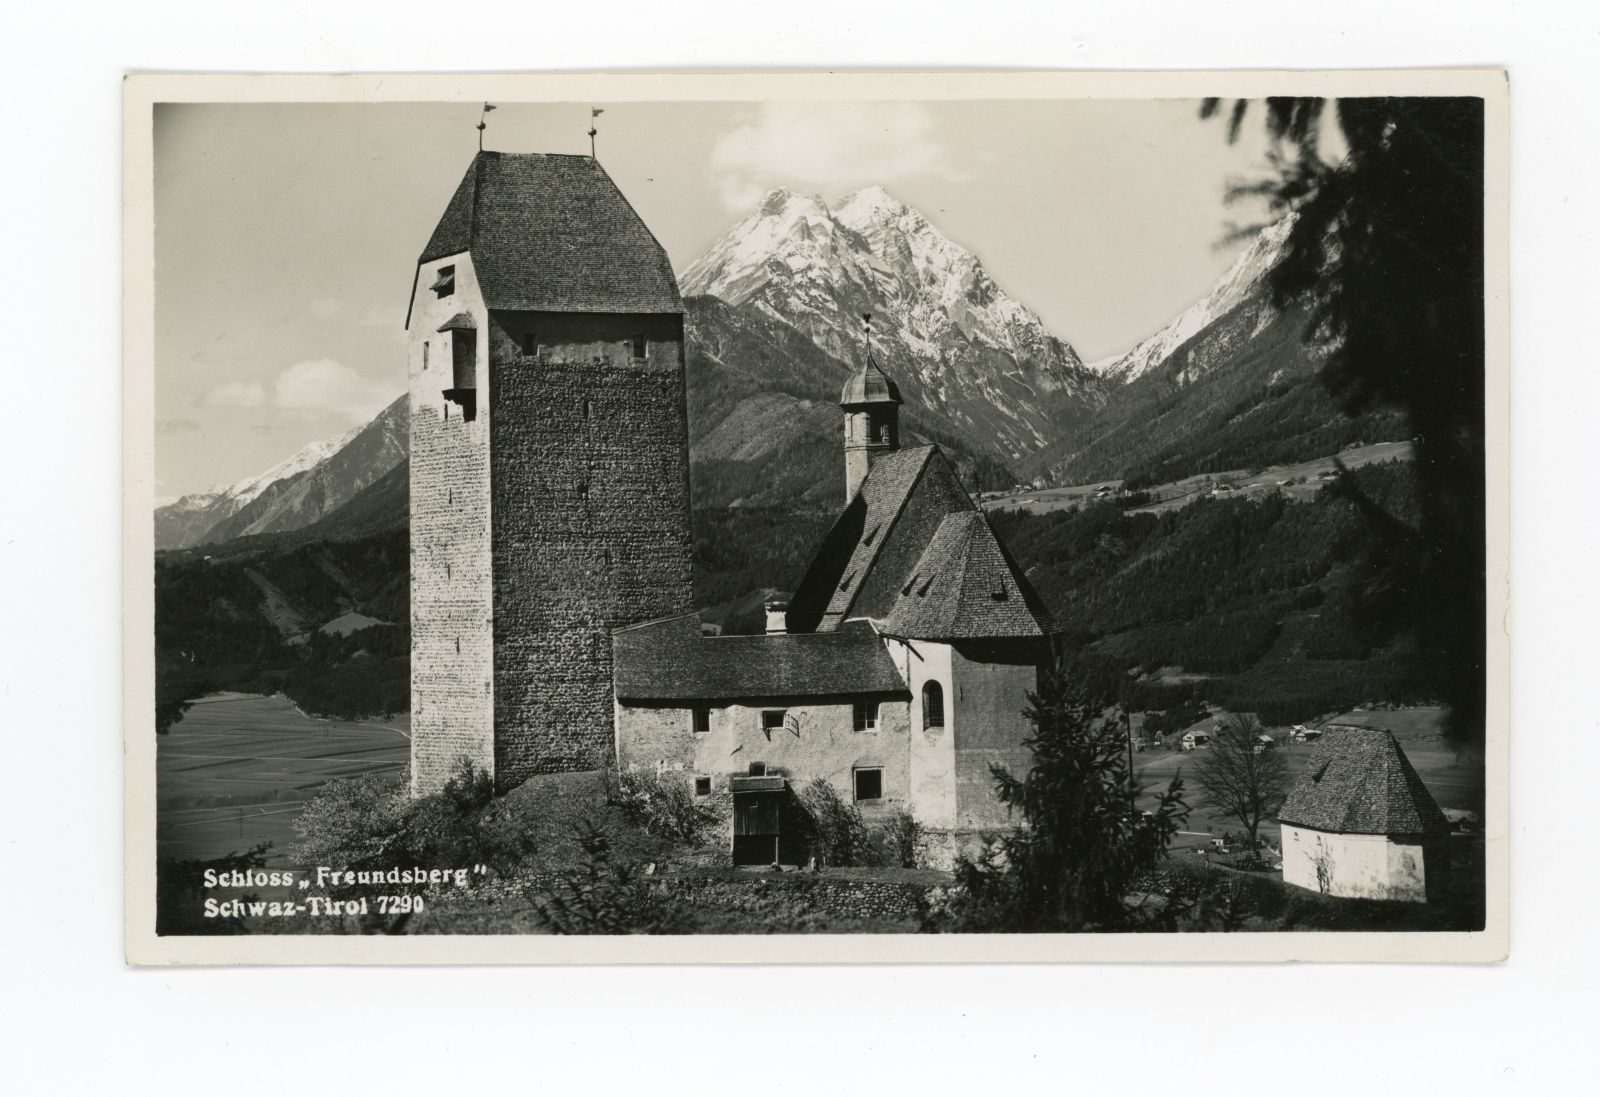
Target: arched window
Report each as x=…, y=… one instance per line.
x=932, y=706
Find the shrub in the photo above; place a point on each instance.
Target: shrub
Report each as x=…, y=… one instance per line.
x=899, y=838
x=600, y=896
x=663, y=807
x=839, y=835
x=351, y=821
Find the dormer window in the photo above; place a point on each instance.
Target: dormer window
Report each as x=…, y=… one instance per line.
x=445, y=284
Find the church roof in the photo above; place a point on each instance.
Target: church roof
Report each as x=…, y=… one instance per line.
x=967, y=587
x=869, y=385
x=553, y=233
x=840, y=568
x=669, y=660
x=1359, y=781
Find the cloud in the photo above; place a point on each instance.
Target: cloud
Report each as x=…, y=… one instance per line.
x=323, y=385
x=234, y=394
x=827, y=146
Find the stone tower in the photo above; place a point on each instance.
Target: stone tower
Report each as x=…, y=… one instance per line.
x=871, y=404
x=549, y=464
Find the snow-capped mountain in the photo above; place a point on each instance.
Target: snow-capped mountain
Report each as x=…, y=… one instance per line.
x=294, y=492
x=976, y=360
x=1240, y=282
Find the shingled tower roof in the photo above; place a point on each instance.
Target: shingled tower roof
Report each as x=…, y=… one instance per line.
x=552, y=233
x=1359, y=781
x=967, y=587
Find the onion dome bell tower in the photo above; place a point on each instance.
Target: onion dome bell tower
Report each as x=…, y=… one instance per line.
x=871, y=403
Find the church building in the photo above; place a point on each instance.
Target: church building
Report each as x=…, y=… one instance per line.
x=898, y=673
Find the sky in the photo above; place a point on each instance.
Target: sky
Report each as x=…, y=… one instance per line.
x=287, y=234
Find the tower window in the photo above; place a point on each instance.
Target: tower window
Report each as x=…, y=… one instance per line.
x=445, y=284
x=702, y=786
x=932, y=706
x=425, y=346
x=866, y=716
x=869, y=783
x=638, y=346
x=772, y=720
x=700, y=720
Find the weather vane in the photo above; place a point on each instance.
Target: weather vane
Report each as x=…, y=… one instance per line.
x=483, y=123
x=594, y=112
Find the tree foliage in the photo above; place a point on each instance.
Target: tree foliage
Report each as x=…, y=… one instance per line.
x=1386, y=254
x=1077, y=863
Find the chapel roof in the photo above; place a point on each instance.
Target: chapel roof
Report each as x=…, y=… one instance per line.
x=967, y=587
x=1358, y=781
x=553, y=233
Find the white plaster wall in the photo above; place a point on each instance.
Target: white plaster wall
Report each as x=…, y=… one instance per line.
x=1357, y=866
x=820, y=741
x=932, y=757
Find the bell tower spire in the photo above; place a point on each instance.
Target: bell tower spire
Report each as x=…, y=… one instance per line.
x=871, y=404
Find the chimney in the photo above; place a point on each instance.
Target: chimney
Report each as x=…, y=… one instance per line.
x=777, y=618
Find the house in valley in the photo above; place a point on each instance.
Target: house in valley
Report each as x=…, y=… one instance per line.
x=1360, y=823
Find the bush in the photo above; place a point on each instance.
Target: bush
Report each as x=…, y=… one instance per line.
x=663, y=807
x=898, y=839
x=600, y=896
x=352, y=821
x=839, y=834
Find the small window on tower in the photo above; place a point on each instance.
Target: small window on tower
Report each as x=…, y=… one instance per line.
x=425, y=346
x=445, y=284
x=701, y=720
x=638, y=346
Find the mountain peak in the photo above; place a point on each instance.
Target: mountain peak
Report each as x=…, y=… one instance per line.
x=868, y=201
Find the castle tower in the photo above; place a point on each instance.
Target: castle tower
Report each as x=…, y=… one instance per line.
x=549, y=464
x=871, y=404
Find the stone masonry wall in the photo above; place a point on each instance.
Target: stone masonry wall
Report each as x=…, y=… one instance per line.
x=590, y=505
x=451, y=699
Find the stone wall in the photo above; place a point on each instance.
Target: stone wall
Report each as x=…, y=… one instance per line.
x=452, y=702
x=590, y=505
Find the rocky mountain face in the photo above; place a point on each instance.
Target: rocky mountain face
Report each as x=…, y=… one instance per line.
x=971, y=362
x=1232, y=382
x=1241, y=283
x=294, y=493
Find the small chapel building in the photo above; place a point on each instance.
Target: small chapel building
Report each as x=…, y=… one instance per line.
x=1361, y=824
x=899, y=671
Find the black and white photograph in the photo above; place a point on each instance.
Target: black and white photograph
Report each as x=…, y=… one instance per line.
x=819, y=517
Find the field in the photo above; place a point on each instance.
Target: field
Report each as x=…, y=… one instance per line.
x=238, y=768
x=1456, y=783
x=1238, y=483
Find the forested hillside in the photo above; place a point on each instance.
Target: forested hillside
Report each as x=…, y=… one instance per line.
x=1275, y=607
